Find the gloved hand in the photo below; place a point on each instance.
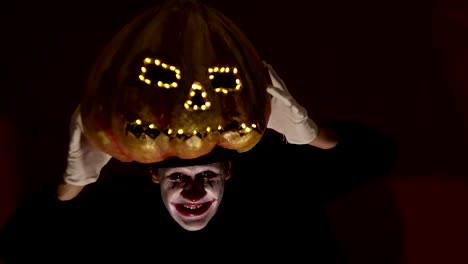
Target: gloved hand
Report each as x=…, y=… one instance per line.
x=287, y=116
x=85, y=161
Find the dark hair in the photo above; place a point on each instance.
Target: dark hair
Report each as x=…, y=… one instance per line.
x=218, y=154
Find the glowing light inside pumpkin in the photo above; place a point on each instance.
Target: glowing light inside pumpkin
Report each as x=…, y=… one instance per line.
x=160, y=74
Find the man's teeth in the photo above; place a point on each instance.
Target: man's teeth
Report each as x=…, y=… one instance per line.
x=192, y=206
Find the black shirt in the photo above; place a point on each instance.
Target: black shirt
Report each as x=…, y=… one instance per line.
x=271, y=210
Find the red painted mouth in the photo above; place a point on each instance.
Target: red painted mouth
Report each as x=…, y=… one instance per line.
x=192, y=209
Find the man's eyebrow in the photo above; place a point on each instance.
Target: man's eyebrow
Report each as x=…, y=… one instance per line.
x=209, y=170
x=170, y=170
x=183, y=170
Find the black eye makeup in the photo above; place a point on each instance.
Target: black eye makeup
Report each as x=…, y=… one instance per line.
x=179, y=177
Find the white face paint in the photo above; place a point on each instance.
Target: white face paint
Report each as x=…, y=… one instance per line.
x=192, y=194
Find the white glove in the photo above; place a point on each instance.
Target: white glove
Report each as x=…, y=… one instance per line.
x=287, y=116
x=85, y=161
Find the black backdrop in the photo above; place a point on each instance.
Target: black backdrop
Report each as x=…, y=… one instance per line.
x=399, y=66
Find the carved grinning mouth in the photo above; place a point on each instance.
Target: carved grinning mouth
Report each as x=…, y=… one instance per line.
x=141, y=129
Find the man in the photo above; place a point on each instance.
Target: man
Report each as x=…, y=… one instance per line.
x=270, y=209
x=192, y=191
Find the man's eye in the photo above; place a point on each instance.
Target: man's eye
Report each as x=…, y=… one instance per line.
x=177, y=177
x=208, y=175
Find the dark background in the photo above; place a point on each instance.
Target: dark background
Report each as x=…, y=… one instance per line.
x=399, y=66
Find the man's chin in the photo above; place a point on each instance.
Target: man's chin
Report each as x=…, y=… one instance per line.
x=192, y=227
x=194, y=223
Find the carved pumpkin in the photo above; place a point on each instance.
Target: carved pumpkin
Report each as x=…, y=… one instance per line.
x=175, y=82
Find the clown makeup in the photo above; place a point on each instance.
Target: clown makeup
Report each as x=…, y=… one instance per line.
x=192, y=194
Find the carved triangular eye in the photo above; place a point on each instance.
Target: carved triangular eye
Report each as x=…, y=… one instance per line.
x=157, y=73
x=225, y=79
x=197, y=99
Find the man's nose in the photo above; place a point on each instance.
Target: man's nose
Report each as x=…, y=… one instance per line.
x=194, y=191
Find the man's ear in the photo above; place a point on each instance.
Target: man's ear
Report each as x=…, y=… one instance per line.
x=228, y=170
x=154, y=175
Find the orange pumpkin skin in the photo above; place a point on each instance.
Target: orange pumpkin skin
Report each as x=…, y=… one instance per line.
x=175, y=82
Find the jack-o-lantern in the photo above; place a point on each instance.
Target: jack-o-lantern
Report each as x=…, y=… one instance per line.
x=176, y=82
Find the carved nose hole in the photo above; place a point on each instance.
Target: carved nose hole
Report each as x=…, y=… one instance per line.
x=197, y=98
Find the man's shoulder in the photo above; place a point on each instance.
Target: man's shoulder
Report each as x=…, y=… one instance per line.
x=273, y=147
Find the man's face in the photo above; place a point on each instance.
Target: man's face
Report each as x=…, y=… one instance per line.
x=192, y=194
